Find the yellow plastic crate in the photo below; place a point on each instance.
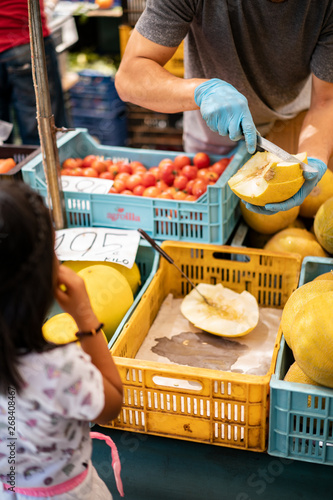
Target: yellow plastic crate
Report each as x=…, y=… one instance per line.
x=174, y=66
x=202, y=405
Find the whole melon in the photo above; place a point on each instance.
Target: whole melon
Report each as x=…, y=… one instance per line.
x=323, y=225
x=295, y=374
x=313, y=350
x=110, y=295
x=319, y=194
x=132, y=275
x=295, y=240
x=297, y=300
x=269, y=224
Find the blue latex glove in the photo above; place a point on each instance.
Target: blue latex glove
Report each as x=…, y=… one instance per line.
x=225, y=110
x=311, y=180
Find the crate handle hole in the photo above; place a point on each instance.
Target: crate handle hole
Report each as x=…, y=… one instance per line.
x=231, y=256
x=177, y=383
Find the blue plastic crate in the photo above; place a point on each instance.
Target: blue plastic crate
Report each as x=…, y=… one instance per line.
x=94, y=82
x=210, y=219
x=110, y=127
x=301, y=415
x=147, y=260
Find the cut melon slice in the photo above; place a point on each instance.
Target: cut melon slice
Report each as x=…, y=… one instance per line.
x=231, y=314
x=266, y=179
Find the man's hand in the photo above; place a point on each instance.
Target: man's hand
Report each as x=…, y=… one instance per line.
x=311, y=180
x=226, y=111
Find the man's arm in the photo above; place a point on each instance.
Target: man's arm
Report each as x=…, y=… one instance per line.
x=316, y=136
x=142, y=80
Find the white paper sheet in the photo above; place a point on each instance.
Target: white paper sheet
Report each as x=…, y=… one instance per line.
x=173, y=339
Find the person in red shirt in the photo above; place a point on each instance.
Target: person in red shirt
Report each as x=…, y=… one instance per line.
x=17, y=94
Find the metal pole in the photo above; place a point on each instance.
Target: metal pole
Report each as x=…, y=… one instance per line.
x=45, y=118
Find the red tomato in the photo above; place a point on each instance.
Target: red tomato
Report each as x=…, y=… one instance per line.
x=162, y=185
x=202, y=173
x=133, y=181
x=190, y=197
x=78, y=172
x=135, y=164
x=189, y=186
x=90, y=172
x=99, y=165
x=181, y=161
x=220, y=166
x=212, y=177
x=119, y=185
x=113, y=190
x=87, y=161
x=127, y=191
x=148, y=179
x=199, y=187
x=165, y=161
x=156, y=172
x=179, y=195
x=122, y=176
x=138, y=190
x=166, y=196
x=106, y=175
x=151, y=192
x=201, y=160
x=66, y=171
x=71, y=163
x=170, y=190
x=190, y=171
x=167, y=173
x=124, y=167
x=140, y=169
x=113, y=169
x=180, y=182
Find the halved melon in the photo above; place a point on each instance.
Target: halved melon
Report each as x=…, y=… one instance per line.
x=231, y=314
x=266, y=179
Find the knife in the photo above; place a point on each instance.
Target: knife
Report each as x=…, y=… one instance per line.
x=281, y=153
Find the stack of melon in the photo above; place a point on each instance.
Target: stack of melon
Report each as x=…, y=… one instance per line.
x=265, y=179
x=111, y=289
x=307, y=326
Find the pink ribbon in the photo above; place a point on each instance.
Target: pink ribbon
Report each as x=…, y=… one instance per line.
x=116, y=465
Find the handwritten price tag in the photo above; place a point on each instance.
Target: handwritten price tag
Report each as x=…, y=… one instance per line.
x=80, y=184
x=97, y=244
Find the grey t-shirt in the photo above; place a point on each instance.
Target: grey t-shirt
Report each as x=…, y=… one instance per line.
x=266, y=50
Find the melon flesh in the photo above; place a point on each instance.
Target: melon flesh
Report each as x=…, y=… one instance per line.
x=231, y=314
x=266, y=179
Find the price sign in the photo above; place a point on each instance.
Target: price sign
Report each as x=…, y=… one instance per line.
x=80, y=184
x=97, y=244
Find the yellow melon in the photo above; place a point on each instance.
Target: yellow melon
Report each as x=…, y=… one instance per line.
x=295, y=240
x=295, y=374
x=132, y=275
x=297, y=300
x=60, y=329
x=323, y=225
x=266, y=179
x=268, y=224
x=110, y=295
x=313, y=350
x=320, y=193
x=230, y=314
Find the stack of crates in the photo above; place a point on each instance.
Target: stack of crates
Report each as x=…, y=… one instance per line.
x=95, y=105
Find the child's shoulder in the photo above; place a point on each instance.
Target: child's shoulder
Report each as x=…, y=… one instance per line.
x=57, y=356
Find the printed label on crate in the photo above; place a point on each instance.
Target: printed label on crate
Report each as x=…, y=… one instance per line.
x=97, y=244
x=80, y=184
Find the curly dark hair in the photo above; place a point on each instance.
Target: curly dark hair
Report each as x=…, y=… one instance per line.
x=26, y=276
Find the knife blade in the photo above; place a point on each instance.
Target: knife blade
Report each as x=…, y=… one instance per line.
x=281, y=153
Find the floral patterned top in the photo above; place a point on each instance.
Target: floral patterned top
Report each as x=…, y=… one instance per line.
x=44, y=431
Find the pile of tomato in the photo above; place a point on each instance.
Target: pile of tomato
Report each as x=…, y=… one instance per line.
x=177, y=179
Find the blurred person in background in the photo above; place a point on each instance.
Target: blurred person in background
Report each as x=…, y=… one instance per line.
x=17, y=93
x=261, y=65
